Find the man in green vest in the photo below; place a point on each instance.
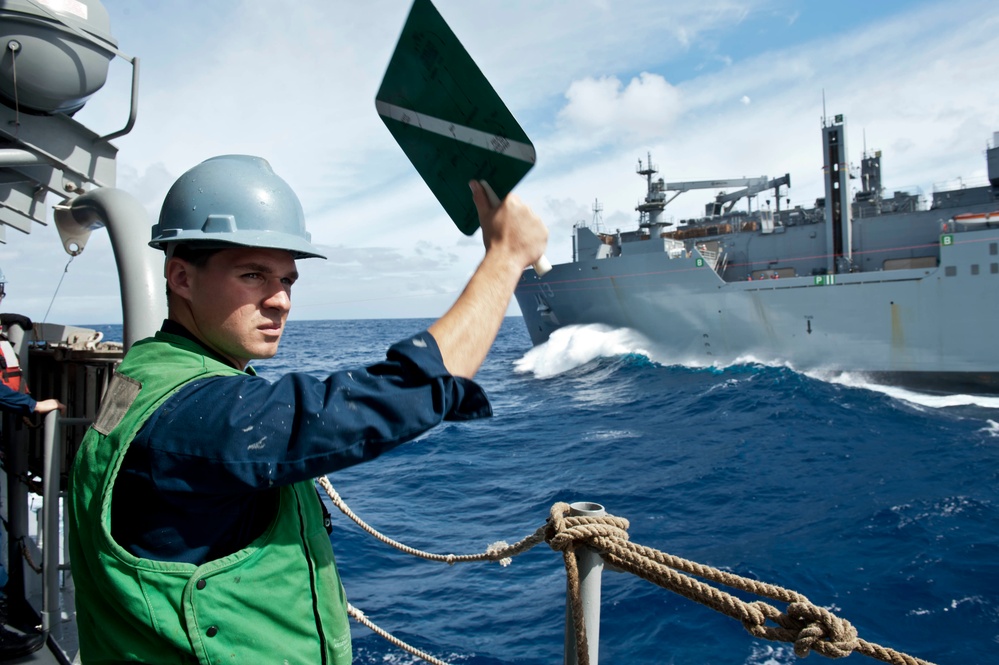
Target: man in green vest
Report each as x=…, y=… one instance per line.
x=196, y=532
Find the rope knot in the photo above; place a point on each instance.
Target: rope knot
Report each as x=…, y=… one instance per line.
x=820, y=630
x=564, y=533
x=497, y=548
x=808, y=627
x=555, y=534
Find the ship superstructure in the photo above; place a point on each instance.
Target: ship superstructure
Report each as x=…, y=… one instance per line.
x=885, y=285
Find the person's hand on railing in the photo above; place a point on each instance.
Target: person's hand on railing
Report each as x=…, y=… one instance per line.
x=47, y=405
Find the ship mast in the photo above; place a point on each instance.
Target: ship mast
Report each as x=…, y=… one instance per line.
x=650, y=212
x=839, y=227
x=597, y=216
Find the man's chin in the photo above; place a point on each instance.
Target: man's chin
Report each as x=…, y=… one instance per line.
x=265, y=351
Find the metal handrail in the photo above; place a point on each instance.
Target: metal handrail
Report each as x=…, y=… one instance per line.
x=50, y=514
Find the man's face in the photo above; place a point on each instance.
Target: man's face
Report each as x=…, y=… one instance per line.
x=240, y=300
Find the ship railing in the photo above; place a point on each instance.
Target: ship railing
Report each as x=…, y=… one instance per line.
x=72, y=365
x=53, y=544
x=960, y=183
x=591, y=540
x=708, y=255
x=713, y=257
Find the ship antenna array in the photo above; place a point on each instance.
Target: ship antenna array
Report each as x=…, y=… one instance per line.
x=580, y=535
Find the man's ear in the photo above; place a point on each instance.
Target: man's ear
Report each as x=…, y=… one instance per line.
x=178, y=274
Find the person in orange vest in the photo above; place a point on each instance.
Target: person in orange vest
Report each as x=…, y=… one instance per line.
x=14, y=398
x=13, y=393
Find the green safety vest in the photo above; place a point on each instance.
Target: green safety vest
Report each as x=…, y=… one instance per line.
x=278, y=600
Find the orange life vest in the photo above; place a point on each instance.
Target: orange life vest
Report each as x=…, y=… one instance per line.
x=10, y=368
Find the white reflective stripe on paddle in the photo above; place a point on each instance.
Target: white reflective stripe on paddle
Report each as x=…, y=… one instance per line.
x=500, y=144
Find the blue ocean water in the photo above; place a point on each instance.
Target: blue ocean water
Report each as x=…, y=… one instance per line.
x=877, y=503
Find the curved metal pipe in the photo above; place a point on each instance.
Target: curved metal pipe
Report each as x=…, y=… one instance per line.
x=17, y=157
x=140, y=267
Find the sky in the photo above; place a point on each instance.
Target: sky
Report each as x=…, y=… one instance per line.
x=709, y=88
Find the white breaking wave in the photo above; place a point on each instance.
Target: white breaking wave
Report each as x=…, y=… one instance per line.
x=570, y=347
x=573, y=346
x=929, y=401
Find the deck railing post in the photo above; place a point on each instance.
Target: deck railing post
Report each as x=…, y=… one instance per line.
x=51, y=546
x=591, y=567
x=53, y=517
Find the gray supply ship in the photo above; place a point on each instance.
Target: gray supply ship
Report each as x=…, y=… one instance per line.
x=903, y=292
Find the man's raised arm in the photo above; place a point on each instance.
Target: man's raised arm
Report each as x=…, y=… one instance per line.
x=514, y=238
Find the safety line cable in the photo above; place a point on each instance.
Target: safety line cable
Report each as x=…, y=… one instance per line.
x=58, y=286
x=808, y=627
x=499, y=551
x=359, y=616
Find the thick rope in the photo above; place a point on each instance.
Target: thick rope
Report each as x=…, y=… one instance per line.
x=566, y=534
x=808, y=627
x=575, y=601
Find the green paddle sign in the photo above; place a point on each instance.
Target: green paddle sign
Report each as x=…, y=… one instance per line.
x=448, y=119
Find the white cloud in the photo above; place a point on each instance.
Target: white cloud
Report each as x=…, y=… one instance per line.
x=603, y=110
x=597, y=85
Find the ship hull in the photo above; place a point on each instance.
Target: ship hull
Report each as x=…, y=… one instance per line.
x=929, y=328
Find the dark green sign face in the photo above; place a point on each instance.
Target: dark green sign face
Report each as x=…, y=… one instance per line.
x=448, y=119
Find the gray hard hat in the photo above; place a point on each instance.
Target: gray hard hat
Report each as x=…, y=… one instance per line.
x=233, y=200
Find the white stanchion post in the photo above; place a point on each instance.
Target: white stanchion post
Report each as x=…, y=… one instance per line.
x=50, y=522
x=591, y=566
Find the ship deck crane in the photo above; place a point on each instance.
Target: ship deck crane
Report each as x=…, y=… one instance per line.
x=751, y=186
